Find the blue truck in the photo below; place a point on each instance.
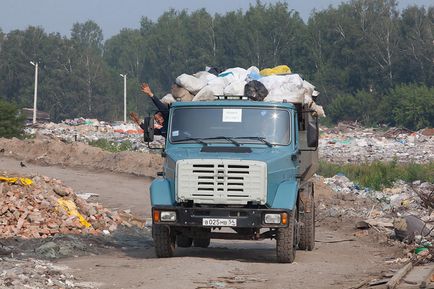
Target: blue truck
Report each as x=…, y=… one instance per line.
x=236, y=169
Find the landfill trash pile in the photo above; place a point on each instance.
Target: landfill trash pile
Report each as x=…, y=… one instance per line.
x=402, y=199
x=350, y=143
x=403, y=213
x=88, y=130
x=40, y=207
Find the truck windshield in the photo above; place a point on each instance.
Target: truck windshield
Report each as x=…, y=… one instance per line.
x=217, y=125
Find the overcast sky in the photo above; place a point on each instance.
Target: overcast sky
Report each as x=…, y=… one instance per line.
x=113, y=15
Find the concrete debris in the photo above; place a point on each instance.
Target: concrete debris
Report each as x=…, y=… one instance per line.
x=47, y=207
x=32, y=273
x=350, y=143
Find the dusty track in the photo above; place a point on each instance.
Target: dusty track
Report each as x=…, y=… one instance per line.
x=227, y=264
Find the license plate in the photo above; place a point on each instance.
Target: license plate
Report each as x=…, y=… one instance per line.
x=215, y=222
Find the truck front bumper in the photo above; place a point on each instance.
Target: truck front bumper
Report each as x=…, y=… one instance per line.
x=194, y=217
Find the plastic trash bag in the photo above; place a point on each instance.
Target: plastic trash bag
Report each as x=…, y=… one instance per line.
x=191, y=83
x=205, y=76
x=18, y=181
x=70, y=207
x=255, y=90
x=208, y=93
x=281, y=69
x=284, y=87
x=168, y=99
x=181, y=94
x=238, y=74
x=235, y=88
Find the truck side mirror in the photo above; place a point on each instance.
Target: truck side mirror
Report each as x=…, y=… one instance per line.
x=312, y=131
x=148, y=128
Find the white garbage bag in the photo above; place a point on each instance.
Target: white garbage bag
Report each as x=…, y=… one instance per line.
x=235, y=88
x=208, y=93
x=168, y=99
x=191, y=83
x=284, y=87
x=238, y=73
x=205, y=76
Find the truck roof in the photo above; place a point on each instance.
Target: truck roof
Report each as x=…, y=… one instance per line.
x=242, y=103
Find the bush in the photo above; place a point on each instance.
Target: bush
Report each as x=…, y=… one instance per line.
x=11, y=122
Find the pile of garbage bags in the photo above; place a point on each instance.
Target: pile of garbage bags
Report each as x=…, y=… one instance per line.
x=276, y=84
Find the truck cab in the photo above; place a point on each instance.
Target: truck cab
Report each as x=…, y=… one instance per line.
x=236, y=169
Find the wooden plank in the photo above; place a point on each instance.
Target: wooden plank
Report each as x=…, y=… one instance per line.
x=398, y=276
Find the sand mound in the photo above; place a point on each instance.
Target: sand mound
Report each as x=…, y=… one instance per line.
x=55, y=152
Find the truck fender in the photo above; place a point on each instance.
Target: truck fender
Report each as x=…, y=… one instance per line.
x=160, y=193
x=286, y=196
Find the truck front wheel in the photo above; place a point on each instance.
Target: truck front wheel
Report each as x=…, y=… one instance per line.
x=164, y=241
x=286, y=240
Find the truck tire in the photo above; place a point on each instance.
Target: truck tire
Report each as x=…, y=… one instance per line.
x=164, y=241
x=202, y=242
x=183, y=241
x=307, y=221
x=286, y=240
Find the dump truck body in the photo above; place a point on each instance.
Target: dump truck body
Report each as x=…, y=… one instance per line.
x=243, y=165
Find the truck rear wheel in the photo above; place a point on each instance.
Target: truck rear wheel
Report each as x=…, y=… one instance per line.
x=164, y=241
x=183, y=241
x=286, y=240
x=307, y=221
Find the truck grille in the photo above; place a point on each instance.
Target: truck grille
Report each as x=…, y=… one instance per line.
x=221, y=181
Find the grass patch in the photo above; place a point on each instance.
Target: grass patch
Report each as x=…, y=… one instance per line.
x=379, y=175
x=112, y=146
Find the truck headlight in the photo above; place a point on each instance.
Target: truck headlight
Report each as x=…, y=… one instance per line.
x=168, y=216
x=272, y=218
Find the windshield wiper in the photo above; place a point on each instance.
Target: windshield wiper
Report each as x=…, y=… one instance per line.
x=230, y=139
x=262, y=139
x=196, y=139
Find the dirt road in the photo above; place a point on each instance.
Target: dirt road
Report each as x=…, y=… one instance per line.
x=226, y=264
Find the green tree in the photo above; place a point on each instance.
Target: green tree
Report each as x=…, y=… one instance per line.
x=11, y=123
x=414, y=106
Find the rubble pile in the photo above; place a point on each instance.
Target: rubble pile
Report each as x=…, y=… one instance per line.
x=350, y=143
x=41, y=207
x=32, y=273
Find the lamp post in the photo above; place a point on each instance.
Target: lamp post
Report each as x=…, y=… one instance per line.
x=35, y=97
x=124, y=76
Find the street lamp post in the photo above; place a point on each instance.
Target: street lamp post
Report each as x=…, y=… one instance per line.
x=124, y=76
x=35, y=97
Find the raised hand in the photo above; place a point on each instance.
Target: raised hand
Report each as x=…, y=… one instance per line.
x=146, y=89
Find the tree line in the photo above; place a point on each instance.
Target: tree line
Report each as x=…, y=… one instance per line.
x=371, y=62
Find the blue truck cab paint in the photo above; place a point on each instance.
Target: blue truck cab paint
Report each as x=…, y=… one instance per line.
x=239, y=164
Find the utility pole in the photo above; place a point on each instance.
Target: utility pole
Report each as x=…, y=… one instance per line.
x=124, y=76
x=35, y=97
